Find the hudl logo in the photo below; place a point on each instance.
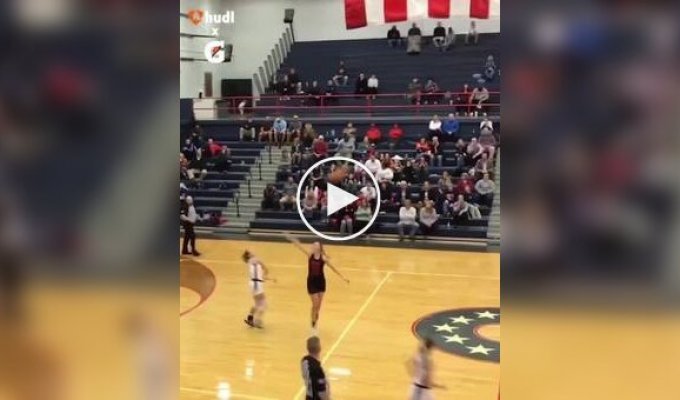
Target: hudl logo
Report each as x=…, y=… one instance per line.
x=196, y=16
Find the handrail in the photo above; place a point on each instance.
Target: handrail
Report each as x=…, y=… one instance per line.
x=250, y=192
x=259, y=167
x=345, y=95
x=269, y=149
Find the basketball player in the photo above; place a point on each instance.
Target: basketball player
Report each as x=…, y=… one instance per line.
x=420, y=367
x=258, y=274
x=314, y=378
x=316, y=280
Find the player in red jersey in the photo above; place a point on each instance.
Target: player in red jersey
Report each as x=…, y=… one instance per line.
x=316, y=280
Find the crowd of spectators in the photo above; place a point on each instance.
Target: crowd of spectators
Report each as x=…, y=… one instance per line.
x=198, y=155
x=443, y=39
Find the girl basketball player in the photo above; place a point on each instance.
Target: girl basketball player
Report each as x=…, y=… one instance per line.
x=316, y=280
x=258, y=274
x=420, y=367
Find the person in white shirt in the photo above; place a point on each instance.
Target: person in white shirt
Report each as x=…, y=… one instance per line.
x=373, y=164
x=420, y=367
x=385, y=175
x=188, y=219
x=435, y=126
x=373, y=86
x=472, y=35
x=407, y=217
x=486, y=125
x=258, y=274
x=428, y=218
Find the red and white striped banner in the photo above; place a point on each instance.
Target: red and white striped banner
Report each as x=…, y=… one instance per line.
x=359, y=13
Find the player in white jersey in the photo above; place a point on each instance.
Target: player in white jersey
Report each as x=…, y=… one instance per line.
x=420, y=367
x=257, y=274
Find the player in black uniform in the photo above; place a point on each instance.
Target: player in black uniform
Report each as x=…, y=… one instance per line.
x=316, y=280
x=312, y=373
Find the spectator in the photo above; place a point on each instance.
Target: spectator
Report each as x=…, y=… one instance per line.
x=363, y=214
x=320, y=148
x=488, y=142
x=465, y=185
x=189, y=150
x=289, y=197
x=246, y=133
x=295, y=128
x=293, y=77
x=309, y=204
x=314, y=93
x=428, y=193
x=373, y=134
x=472, y=36
x=296, y=151
x=407, y=217
x=212, y=148
x=341, y=77
x=345, y=147
x=373, y=164
x=415, y=89
x=361, y=85
x=197, y=170
x=386, y=174
x=446, y=182
x=308, y=135
x=350, y=130
x=347, y=217
x=484, y=189
x=435, y=146
x=396, y=133
x=432, y=93
x=450, y=39
x=197, y=137
x=490, y=68
x=450, y=128
x=414, y=40
x=184, y=167
x=266, y=131
x=483, y=166
x=439, y=36
x=329, y=93
x=285, y=88
x=402, y=193
x=270, y=199
x=222, y=162
x=369, y=193
x=486, y=125
x=478, y=96
x=372, y=86
x=408, y=173
x=474, y=150
x=424, y=149
x=394, y=37
x=421, y=170
x=280, y=130
x=428, y=219
x=462, y=100
x=435, y=126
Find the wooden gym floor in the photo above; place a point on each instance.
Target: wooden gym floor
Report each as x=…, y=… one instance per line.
x=365, y=327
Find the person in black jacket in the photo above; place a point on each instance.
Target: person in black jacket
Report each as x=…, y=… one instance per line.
x=394, y=37
x=314, y=378
x=439, y=37
x=361, y=85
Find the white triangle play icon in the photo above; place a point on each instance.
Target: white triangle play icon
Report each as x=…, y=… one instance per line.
x=338, y=198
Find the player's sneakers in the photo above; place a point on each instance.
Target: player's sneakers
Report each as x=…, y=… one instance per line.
x=249, y=323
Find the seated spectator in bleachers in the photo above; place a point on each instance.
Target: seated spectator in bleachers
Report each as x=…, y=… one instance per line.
x=402, y=193
x=345, y=146
x=474, y=151
x=189, y=150
x=487, y=141
x=484, y=189
x=396, y=133
x=309, y=204
x=369, y=193
x=462, y=101
x=415, y=90
x=386, y=174
x=461, y=147
x=289, y=194
x=347, y=217
x=490, y=69
x=479, y=96
x=435, y=145
x=407, y=218
x=294, y=128
x=341, y=76
x=450, y=128
x=428, y=219
x=372, y=86
x=314, y=93
x=197, y=170
x=212, y=148
x=266, y=131
x=296, y=151
x=435, y=126
x=465, y=186
x=284, y=88
x=320, y=148
x=431, y=93
x=414, y=40
x=298, y=90
x=446, y=182
x=486, y=125
x=424, y=149
x=222, y=161
x=361, y=85
x=308, y=135
x=373, y=164
x=363, y=214
x=373, y=134
x=398, y=167
x=408, y=173
x=280, y=130
x=293, y=77
x=472, y=37
x=483, y=166
x=270, y=198
x=329, y=93
x=394, y=37
x=350, y=130
x=183, y=167
x=427, y=193
x=450, y=41
x=421, y=168
x=439, y=36
x=246, y=133
x=197, y=137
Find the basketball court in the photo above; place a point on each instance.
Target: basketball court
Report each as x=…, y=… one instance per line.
x=366, y=327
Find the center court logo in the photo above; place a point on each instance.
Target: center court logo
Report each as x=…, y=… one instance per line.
x=197, y=16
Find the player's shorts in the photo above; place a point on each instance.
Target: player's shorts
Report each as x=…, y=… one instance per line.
x=256, y=287
x=316, y=284
x=418, y=392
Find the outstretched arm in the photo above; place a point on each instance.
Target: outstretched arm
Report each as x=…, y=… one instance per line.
x=335, y=270
x=295, y=243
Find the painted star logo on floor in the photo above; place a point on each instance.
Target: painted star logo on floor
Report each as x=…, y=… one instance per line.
x=458, y=332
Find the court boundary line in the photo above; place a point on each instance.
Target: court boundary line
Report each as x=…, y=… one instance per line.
x=349, y=326
x=232, y=395
x=300, y=266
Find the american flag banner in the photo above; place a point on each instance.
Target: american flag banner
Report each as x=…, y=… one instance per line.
x=360, y=13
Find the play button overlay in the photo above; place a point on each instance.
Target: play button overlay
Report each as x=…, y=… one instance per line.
x=337, y=198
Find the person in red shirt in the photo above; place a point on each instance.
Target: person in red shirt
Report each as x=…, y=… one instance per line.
x=396, y=133
x=423, y=148
x=465, y=185
x=373, y=134
x=214, y=149
x=320, y=148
